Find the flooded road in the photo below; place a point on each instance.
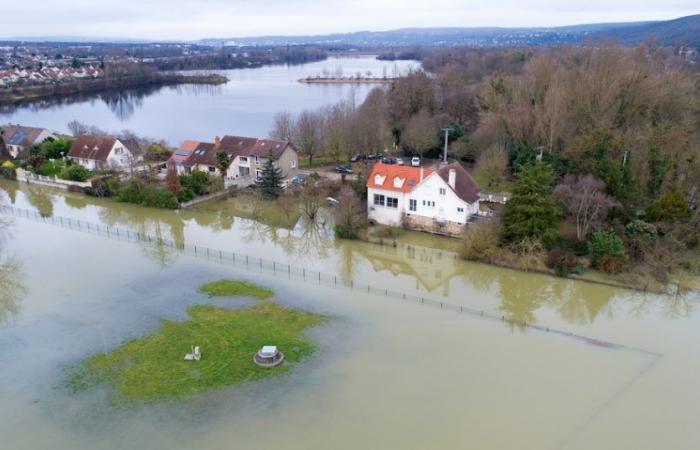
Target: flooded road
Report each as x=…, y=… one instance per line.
x=388, y=374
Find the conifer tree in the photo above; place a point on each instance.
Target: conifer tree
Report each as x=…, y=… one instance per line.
x=270, y=181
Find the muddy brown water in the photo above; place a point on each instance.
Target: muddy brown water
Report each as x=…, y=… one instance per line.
x=388, y=374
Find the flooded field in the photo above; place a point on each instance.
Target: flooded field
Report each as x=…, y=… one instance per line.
x=607, y=369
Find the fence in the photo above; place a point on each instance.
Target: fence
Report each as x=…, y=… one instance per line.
x=285, y=270
x=32, y=178
x=493, y=197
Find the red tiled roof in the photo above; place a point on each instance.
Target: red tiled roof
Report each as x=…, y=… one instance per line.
x=246, y=146
x=91, y=147
x=409, y=177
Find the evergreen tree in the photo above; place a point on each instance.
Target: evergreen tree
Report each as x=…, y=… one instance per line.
x=222, y=162
x=532, y=212
x=270, y=181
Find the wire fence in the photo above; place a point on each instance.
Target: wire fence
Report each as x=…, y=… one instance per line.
x=286, y=270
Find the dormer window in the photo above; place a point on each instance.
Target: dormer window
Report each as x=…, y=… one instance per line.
x=398, y=182
x=379, y=179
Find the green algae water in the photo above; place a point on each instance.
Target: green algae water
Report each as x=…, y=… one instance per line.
x=385, y=374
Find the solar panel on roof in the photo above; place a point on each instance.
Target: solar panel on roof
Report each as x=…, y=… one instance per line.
x=18, y=137
x=182, y=153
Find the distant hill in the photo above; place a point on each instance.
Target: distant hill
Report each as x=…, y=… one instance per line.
x=685, y=30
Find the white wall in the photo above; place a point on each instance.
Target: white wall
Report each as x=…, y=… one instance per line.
x=383, y=214
x=446, y=205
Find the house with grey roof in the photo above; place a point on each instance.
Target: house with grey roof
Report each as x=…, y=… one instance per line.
x=18, y=138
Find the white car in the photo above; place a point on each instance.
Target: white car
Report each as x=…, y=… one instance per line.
x=415, y=161
x=399, y=161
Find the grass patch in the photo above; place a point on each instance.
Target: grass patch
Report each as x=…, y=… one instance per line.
x=51, y=168
x=235, y=288
x=152, y=368
x=316, y=162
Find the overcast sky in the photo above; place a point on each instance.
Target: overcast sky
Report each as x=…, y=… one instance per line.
x=195, y=19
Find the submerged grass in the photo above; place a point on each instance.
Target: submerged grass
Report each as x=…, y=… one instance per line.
x=235, y=288
x=152, y=368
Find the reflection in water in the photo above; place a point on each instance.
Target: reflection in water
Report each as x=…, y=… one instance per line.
x=11, y=278
x=159, y=250
x=41, y=200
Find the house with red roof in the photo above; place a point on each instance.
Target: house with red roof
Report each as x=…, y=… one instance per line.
x=106, y=152
x=437, y=200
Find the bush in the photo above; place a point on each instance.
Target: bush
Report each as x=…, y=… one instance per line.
x=99, y=188
x=640, y=236
x=185, y=195
x=160, y=198
x=671, y=206
x=561, y=260
x=75, y=172
x=8, y=171
x=479, y=242
x=141, y=194
x=197, y=182
x=607, y=251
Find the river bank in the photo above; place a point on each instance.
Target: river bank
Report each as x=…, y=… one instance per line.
x=22, y=94
x=346, y=80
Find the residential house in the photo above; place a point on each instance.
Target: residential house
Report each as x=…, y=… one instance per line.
x=247, y=157
x=437, y=200
x=18, y=139
x=178, y=160
x=106, y=152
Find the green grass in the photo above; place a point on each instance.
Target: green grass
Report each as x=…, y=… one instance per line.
x=152, y=368
x=482, y=181
x=235, y=288
x=316, y=162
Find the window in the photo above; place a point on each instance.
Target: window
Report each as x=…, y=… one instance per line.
x=428, y=203
x=212, y=169
x=392, y=202
x=258, y=173
x=412, y=204
x=243, y=159
x=378, y=200
x=257, y=160
x=294, y=164
x=443, y=191
x=460, y=210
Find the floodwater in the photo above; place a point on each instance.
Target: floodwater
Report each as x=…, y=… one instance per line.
x=244, y=106
x=389, y=374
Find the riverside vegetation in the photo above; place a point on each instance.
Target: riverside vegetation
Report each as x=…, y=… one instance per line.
x=152, y=368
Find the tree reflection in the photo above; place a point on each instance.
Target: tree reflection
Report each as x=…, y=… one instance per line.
x=11, y=278
x=160, y=249
x=42, y=201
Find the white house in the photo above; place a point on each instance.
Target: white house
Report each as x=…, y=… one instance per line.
x=438, y=201
x=106, y=152
x=18, y=138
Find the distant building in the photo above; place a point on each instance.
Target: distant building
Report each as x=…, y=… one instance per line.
x=246, y=154
x=439, y=201
x=18, y=139
x=106, y=152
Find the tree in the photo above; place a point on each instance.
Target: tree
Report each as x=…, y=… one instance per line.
x=531, y=212
x=270, y=181
x=222, y=162
x=585, y=203
x=607, y=250
x=282, y=126
x=56, y=148
x=492, y=165
x=350, y=214
x=307, y=135
x=421, y=133
x=670, y=207
x=172, y=181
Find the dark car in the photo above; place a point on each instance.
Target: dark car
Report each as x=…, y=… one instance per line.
x=389, y=160
x=343, y=169
x=372, y=156
x=357, y=158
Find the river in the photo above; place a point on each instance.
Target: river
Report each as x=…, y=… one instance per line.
x=244, y=106
x=606, y=369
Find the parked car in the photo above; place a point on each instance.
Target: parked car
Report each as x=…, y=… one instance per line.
x=331, y=201
x=399, y=161
x=415, y=161
x=372, y=156
x=357, y=158
x=297, y=180
x=343, y=169
x=389, y=160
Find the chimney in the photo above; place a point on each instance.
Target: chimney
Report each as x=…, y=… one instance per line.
x=451, y=178
x=217, y=141
x=421, y=174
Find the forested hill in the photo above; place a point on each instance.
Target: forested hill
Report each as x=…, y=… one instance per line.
x=685, y=30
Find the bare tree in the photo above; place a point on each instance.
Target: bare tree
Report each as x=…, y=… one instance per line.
x=421, y=133
x=492, y=164
x=585, y=201
x=307, y=134
x=283, y=126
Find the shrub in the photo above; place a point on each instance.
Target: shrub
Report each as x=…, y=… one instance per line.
x=8, y=171
x=671, y=206
x=197, y=182
x=185, y=195
x=160, y=198
x=99, y=188
x=75, y=172
x=606, y=250
x=561, y=260
x=479, y=242
x=640, y=236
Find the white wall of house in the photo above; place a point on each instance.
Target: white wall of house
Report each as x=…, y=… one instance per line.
x=435, y=199
x=288, y=163
x=380, y=207
x=119, y=158
x=16, y=149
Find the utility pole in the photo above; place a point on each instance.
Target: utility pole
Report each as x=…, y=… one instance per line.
x=444, y=154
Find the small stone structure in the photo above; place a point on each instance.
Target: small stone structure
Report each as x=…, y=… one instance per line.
x=268, y=356
x=430, y=225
